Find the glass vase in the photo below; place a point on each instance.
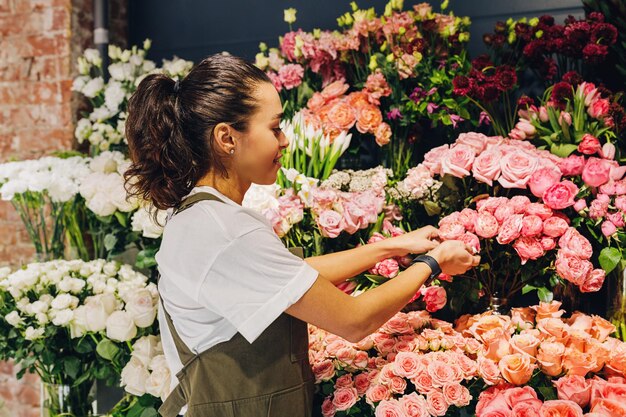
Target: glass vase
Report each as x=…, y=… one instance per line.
x=498, y=305
x=64, y=400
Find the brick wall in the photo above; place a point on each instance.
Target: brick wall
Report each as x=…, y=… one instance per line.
x=39, y=43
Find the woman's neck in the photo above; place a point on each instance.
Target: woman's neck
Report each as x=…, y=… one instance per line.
x=231, y=187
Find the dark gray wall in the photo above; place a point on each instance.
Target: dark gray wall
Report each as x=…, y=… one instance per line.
x=193, y=29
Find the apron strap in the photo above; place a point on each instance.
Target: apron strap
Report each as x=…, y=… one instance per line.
x=174, y=402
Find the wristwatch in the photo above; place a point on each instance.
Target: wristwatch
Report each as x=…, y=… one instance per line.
x=431, y=262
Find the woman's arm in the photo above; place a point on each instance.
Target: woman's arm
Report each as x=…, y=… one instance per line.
x=339, y=266
x=353, y=318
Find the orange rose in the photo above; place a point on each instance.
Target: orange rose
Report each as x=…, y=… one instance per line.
x=576, y=362
x=547, y=310
x=358, y=100
x=553, y=327
x=599, y=351
x=516, y=368
x=616, y=365
x=577, y=339
x=522, y=316
x=334, y=89
x=601, y=328
x=550, y=357
x=383, y=134
x=369, y=118
x=341, y=116
x=463, y=323
x=580, y=321
x=316, y=102
x=525, y=343
x=489, y=322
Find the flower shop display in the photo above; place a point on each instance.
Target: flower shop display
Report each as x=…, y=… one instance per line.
x=73, y=322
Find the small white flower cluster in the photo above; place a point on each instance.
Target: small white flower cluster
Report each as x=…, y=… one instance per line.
x=417, y=185
x=58, y=177
x=105, y=125
x=95, y=296
x=147, y=370
x=357, y=181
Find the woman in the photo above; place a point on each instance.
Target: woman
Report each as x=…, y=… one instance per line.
x=235, y=301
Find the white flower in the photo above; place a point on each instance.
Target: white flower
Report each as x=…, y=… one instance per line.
x=141, y=307
x=42, y=319
x=114, y=95
x=145, y=349
x=110, y=269
x=98, y=115
x=97, y=310
x=62, y=317
x=34, y=334
x=158, y=384
x=143, y=222
x=177, y=67
x=83, y=130
x=120, y=326
x=93, y=56
x=93, y=87
x=121, y=71
x=261, y=197
x=14, y=319
x=134, y=377
x=79, y=82
x=63, y=301
x=78, y=325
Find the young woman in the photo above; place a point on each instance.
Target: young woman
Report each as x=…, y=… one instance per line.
x=235, y=301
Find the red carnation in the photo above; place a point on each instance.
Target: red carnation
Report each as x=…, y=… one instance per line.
x=604, y=33
x=573, y=78
x=462, y=85
x=595, y=53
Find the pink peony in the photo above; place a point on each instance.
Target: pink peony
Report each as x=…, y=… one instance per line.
x=596, y=172
x=560, y=195
x=532, y=226
x=575, y=244
x=511, y=229
x=554, y=226
x=572, y=268
x=435, y=297
x=573, y=165
x=528, y=248
x=593, y=281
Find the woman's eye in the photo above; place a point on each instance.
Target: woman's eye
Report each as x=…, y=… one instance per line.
x=277, y=130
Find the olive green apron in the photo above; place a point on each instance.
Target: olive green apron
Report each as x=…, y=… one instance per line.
x=270, y=377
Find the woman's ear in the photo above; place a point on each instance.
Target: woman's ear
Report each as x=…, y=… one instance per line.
x=223, y=138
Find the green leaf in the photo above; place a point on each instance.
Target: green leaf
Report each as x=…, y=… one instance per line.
x=376, y=279
x=83, y=346
x=107, y=349
x=563, y=149
x=71, y=364
x=609, y=258
x=149, y=412
x=528, y=288
x=145, y=259
x=548, y=393
x=121, y=218
x=545, y=294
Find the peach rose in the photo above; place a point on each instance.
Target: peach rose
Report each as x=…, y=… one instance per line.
x=528, y=248
x=550, y=357
x=532, y=226
x=516, y=395
x=414, y=405
x=341, y=116
x=601, y=328
x=525, y=343
x=553, y=327
x=389, y=408
x=323, y=370
x=522, y=316
x=594, y=281
x=548, y=310
x=407, y=364
x=377, y=393
x=436, y=403
x=574, y=388
x=334, y=89
x=609, y=408
x=560, y=408
x=383, y=134
x=489, y=371
x=516, y=368
x=456, y=394
x=368, y=119
x=576, y=362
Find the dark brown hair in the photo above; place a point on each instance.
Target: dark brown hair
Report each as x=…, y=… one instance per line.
x=170, y=129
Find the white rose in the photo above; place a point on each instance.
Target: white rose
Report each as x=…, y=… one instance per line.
x=101, y=205
x=145, y=349
x=42, y=318
x=98, y=310
x=158, y=362
x=158, y=384
x=63, y=301
x=134, y=377
x=33, y=334
x=120, y=326
x=144, y=223
x=62, y=317
x=142, y=308
x=110, y=269
x=78, y=325
x=92, y=55
x=14, y=319
x=37, y=307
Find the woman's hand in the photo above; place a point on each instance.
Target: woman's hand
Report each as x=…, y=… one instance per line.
x=418, y=241
x=454, y=257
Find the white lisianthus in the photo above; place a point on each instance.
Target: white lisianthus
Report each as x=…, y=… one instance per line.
x=34, y=334
x=93, y=56
x=134, y=377
x=14, y=319
x=79, y=82
x=114, y=95
x=120, y=326
x=121, y=71
x=42, y=319
x=93, y=87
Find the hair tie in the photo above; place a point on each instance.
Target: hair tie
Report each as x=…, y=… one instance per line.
x=177, y=86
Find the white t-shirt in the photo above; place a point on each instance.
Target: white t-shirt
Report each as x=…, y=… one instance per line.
x=223, y=270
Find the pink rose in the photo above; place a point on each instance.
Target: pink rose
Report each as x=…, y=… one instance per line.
x=362, y=383
x=510, y=229
x=389, y=408
x=516, y=368
x=456, y=394
x=596, y=172
x=324, y=370
x=593, y=281
x=486, y=225
x=528, y=248
x=489, y=371
x=575, y=244
x=504, y=212
x=574, y=388
x=572, y=268
x=432, y=159
x=423, y=381
x=435, y=297
x=617, y=219
x=620, y=203
x=560, y=408
x=407, y=365
x=436, y=403
x=542, y=179
x=560, y=195
x=388, y=268
x=517, y=168
x=334, y=89
x=377, y=393
x=330, y=223
x=580, y=205
x=589, y=145
x=539, y=209
x=532, y=226
x=609, y=408
x=458, y=161
x=573, y=165
x=476, y=141
x=486, y=167
x=554, y=227
x=414, y=405
x=328, y=409
x=598, y=209
x=608, y=228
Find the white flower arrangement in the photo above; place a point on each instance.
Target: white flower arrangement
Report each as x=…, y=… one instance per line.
x=147, y=371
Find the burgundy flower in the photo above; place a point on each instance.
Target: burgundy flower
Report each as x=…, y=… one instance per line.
x=394, y=114
x=534, y=49
x=499, y=40
x=596, y=17
x=481, y=62
x=573, y=78
x=578, y=34
x=525, y=102
x=562, y=93
x=462, y=85
x=546, y=20
x=523, y=31
x=547, y=68
x=501, y=27
x=595, y=53
x=604, y=33
x=505, y=77
x=491, y=93
x=488, y=39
